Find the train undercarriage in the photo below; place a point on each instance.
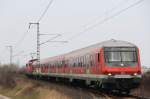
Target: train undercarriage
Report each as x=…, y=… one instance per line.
x=110, y=84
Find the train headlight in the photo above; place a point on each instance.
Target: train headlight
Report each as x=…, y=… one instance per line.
x=135, y=74
x=109, y=74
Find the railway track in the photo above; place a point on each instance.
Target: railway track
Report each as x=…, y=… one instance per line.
x=112, y=96
x=97, y=94
x=139, y=97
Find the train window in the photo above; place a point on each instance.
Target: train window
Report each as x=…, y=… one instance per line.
x=91, y=60
x=76, y=61
x=66, y=62
x=59, y=64
x=74, y=64
x=80, y=61
x=71, y=62
x=87, y=60
x=91, y=63
x=98, y=57
x=118, y=56
x=84, y=61
x=94, y=59
x=63, y=62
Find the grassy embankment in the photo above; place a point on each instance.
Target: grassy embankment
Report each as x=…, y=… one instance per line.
x=13, y=85
x=16, y=85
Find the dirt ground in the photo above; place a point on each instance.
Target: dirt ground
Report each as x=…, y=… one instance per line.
x=31, y=89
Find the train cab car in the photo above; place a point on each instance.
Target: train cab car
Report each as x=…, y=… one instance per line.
x=121, y=64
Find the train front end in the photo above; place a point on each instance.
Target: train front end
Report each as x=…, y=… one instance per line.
x=122, y=67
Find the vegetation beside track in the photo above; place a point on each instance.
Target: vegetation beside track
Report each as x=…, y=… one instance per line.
x=16, y=85
x=10, y=84
x=7, y=75
x=144, y=88
x=33, y=89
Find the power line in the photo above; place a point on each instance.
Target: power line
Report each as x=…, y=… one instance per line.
x=107, y=12
x=106, y=19
x=45, y=11
x=24, y=35
x=53, y=38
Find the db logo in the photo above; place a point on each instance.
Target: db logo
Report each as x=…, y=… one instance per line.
x=122, y=73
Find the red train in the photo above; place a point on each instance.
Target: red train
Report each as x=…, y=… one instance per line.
x=112, y=64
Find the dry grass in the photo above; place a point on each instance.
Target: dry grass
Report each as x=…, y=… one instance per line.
x=58, y=91
x=31, y=89
x=7, y=75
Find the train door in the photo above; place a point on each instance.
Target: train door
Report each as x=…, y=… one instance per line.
x=98, y=63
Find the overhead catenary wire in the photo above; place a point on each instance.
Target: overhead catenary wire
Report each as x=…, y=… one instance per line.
x=45, y=11
x=107, y=12
x=20, y=41
x=105, y=19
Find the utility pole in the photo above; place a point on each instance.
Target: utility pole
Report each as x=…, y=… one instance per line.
x=38, y=41
x=11, y=53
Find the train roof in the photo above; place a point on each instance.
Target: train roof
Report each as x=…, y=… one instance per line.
x=92, y=48
x=98, y=46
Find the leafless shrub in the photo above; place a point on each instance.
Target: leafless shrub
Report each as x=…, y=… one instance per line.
x=8, y=75
x=146, y=80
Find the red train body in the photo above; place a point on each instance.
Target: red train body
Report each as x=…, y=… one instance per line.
x=111, y=64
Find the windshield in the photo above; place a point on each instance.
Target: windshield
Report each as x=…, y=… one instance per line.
x=120, y=56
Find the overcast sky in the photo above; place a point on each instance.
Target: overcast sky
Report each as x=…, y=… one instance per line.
x=69, y=18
